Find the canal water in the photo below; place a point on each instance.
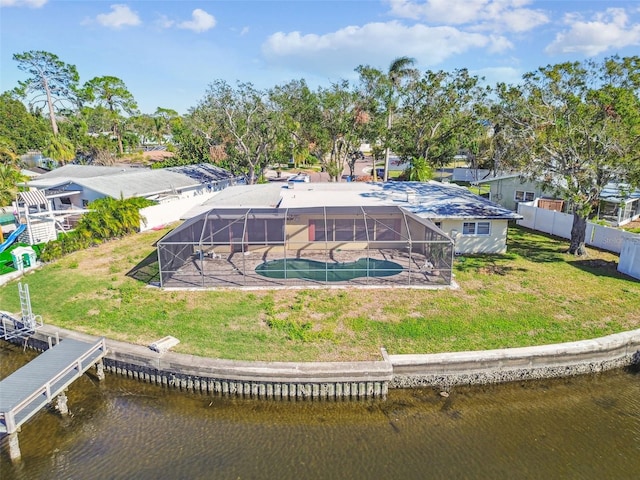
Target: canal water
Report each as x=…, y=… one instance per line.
x=584, y=427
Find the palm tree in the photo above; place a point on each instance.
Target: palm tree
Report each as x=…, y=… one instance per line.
x=61, y=149
x=399, y=69
x=10, y=176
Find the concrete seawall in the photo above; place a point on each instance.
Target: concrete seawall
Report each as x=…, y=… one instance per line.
x=369, y=379
x=444, y=370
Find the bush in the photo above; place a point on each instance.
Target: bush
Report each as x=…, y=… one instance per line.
x=108, y=219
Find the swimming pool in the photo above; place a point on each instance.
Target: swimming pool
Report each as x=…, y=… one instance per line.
x=327, y=272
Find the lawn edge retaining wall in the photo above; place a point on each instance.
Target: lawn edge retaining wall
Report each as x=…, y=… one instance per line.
x=365, y=379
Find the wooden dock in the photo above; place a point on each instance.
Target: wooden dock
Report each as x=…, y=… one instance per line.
x=26, y=391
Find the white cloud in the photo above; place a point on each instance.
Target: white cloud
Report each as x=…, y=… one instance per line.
x=244, y=31
x=201, y=21
x=375, y=43
x=607, y=30
x=120, y=16
x=164, y=22
x=23, y=3
x=494, y=15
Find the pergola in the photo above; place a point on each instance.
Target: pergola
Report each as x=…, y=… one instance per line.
x=273, y=247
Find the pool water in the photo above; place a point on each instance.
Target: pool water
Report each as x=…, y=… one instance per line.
x=329, y=272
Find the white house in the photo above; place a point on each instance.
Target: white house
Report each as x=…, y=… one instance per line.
x=476, y=224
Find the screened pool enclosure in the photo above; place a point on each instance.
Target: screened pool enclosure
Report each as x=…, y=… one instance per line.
x=272, y=247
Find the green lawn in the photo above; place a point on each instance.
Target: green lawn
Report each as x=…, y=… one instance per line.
x=534, y=294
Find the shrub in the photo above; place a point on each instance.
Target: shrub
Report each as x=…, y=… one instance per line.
x=109, y=218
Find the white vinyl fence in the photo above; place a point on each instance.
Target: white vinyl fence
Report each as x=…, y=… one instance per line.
x=469, y=174
x=559, y=224
x=157, y=216
x=630, y=257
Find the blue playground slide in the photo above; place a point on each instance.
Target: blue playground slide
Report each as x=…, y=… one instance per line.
x=12, y=238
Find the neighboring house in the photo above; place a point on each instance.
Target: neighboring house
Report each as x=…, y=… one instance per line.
x=510, y=189
x=619, y=204
x=75, y=186
x=70, y=189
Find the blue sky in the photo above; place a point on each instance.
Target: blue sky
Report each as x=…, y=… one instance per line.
x=168, y=52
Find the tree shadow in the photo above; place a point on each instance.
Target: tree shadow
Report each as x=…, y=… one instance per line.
x=534, y=246
x=487, y=264
x=147, y=271
x=601, y=268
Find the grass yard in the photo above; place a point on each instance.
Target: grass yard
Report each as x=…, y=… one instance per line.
x=534, y=294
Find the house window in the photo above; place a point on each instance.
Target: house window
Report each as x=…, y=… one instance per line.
x=85, y=203
x=343, y=230
x=317, y=231
x=476, y=228
x=349, y=230
x=523, y=196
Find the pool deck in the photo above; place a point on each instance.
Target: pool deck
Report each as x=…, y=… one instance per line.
x=239, y=270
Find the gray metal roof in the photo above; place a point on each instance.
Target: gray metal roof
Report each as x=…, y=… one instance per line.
x=619, y=192
x=202, y=172
x=131, y=182
x=140, y=183
x=83, y=171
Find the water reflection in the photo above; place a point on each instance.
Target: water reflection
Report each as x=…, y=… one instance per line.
x=584, y=427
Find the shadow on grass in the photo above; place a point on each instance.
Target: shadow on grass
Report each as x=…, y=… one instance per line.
x=601, y=268
x=147, y=270
x=487, y=264
x=535, y=247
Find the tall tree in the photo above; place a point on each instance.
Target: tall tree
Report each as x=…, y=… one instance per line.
x=54, y=81
x=379, y=97
x=163, y=121
x=577, y=128
x=243, y=121
x=112, y=94
x=20, y=129
x=437, y=116
x=400, y=69
x=10, y=176
x=298, y=107
x=340, y=130
x=61, y=149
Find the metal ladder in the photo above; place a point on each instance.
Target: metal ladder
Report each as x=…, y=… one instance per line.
x=13, y=328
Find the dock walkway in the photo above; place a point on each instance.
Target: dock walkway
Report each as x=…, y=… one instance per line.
x=29, y=389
